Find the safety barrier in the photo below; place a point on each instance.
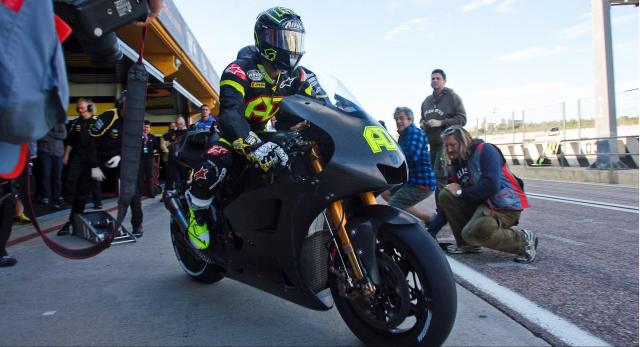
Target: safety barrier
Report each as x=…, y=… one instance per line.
x=578, y=153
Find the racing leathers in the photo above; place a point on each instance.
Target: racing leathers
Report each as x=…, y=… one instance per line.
x=249, y=97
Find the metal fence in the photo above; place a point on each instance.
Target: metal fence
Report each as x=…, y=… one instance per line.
x=571, y=119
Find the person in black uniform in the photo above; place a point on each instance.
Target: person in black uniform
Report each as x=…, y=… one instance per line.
x=7, y=209
x=108, y=130
x=150, y=147
x=176, y=174
x=81, y=161
x=250, y=89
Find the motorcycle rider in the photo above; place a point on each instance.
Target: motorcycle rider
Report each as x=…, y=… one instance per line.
x=250, y=89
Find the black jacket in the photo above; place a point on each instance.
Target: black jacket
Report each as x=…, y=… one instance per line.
x=249, y=97
x=150, y=145
x=108, y=134
x=82, y=143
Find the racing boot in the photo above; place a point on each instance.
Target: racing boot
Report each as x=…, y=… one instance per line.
x=198, y=231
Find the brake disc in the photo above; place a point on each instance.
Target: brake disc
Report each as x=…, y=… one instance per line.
x=391, y=303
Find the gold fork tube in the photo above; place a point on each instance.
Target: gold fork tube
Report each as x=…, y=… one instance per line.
x=339, y=220
x=368, y=198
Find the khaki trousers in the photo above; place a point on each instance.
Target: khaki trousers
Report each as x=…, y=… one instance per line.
x=478, y=225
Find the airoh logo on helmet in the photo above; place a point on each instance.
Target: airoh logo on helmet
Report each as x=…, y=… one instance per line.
x=293, y=24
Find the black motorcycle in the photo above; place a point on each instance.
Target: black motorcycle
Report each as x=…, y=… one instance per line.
x=313, y=234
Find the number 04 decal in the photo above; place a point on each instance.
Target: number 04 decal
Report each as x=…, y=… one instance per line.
x=262, y=107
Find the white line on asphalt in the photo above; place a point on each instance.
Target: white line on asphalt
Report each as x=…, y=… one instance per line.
x=49, y=313
x=563, y=239
x=559, y=327
x=591, y=203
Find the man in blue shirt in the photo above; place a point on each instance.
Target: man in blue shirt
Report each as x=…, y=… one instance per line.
x=422, y=180
x=206, y=121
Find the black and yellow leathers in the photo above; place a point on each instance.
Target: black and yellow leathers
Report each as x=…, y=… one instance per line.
x=249, y=97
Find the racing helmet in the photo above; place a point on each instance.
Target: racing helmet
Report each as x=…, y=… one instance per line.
x=279, y=36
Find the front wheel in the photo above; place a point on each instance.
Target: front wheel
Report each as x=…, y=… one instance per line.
x=415, y=303
x=195, y=267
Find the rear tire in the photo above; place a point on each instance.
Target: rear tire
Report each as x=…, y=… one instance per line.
x=433, y=299
x=195, y=267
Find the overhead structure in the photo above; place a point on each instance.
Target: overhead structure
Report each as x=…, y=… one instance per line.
x=181, y=76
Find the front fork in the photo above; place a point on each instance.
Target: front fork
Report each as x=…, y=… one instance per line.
x=338, y=217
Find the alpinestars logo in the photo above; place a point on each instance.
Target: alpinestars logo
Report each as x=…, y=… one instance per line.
x=236, y=70
x=217, y=150
x=200, y=174
x=287, y=82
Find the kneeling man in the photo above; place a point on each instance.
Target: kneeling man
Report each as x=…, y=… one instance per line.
x=483, y=199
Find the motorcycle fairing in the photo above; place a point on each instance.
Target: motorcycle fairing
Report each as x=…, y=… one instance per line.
x=353, y=166
x=272, y=218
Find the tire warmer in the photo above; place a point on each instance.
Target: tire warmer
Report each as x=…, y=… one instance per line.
x=132, y=128
x=137, y=77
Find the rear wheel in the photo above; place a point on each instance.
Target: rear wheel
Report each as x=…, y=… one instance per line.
x=195, y=267
x=415, y=303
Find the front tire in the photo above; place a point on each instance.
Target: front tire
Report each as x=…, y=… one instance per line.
x=195, y=267
x=432, y=292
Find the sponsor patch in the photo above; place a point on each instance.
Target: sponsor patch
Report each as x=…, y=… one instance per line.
x=236, y=70
x=269, y=54
x=221, y=176
x=293, y=24
x=217, y=150
x=255, y=75
x=200, y=174
x=287, y=82
x=258, y=84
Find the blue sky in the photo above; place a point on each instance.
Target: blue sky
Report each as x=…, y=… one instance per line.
x=499, y=55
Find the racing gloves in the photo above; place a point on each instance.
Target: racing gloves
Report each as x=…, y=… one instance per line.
x=97, y=174
x=268, y=155
x=265, y=155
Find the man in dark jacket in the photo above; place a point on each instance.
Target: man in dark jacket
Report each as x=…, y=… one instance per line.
x=150, y=147
x=483, y=199
x=50, y=154
x=82, y=162
x=176, y=174
x=440, y=110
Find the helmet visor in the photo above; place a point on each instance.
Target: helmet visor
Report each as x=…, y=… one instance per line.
x=292, y=41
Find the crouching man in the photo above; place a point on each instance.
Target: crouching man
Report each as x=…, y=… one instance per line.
x=483, y=199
